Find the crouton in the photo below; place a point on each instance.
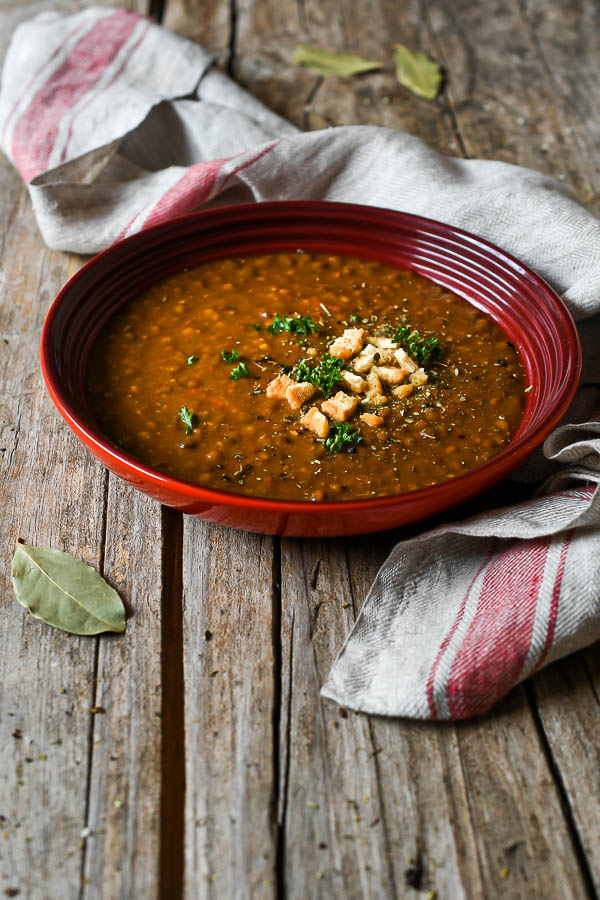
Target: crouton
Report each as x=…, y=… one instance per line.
x=372, y=420
x=383, y=343
x=354, y=383
x=405, y=361
x=349, y=344
x=340, y=407
x=402, y=391
x=389, y=375
x=316, y=421
x=279, y=386
x=297, y=394
x=365, y=359
x=374, y=382
x=418, y=378
x=374, y=398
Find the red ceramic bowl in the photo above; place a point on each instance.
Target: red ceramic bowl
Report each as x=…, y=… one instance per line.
x=528, y=310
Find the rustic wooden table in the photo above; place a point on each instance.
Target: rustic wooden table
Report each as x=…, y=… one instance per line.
x=157, y=764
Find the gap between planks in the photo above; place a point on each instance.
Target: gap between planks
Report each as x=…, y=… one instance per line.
x=562, y=793
x=172, y=792
x=90, y=753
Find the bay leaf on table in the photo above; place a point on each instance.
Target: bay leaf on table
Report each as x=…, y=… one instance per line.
x=328, y=62
x=416, y=71
x=65, y=592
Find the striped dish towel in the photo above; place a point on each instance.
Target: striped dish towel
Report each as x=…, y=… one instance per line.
x=115, y=124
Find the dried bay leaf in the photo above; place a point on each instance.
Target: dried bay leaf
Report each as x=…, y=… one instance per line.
x=328, y=62
x=416, y=71
x=65, y=592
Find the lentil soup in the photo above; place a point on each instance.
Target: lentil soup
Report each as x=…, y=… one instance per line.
x=304, y=376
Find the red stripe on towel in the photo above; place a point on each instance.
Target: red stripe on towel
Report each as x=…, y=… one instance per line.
x=37, y=74
x=119, y=71
x=498, y=639
x=429, y=688
x=555, y=598
x=196, y=187
x=37, y=129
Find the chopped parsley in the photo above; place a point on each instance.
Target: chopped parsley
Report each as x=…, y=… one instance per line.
x=188, y=418
x=192, y=359
x=293, y=324
x=421, y=349
x=325, y=374
x=241, y=371
x=342, y=435
x=230, y=355
x=256, y=326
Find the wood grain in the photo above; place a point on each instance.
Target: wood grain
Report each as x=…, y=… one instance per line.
x=230, y=712
x=122, y=848
x=52, y=494
x=46, y=676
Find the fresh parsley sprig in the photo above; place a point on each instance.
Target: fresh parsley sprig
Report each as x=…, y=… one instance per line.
x=325, y=374
x=342, y=436
x=293, y=324
x=420, y=348
x=230, y=355
x=188, y=418
x=240, y=371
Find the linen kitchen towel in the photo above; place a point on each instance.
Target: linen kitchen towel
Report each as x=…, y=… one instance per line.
x=115, y=125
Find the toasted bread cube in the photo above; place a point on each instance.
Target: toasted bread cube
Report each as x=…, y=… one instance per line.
x=418, y=378
x=279, y=386
x=405, y=361
x=374, y=382
x=349, y=344
x=340, y=407
x=365, y=359
x=372, y=420
x=354, y=383
x=402, y=391
x=389, y=375
x=297, y=394
x=383, y=343
x=316, y=421
x=374, y=398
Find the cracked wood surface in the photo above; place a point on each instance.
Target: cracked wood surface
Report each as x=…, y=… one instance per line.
x=215, y=769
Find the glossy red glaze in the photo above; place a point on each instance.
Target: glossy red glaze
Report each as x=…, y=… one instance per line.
x=528, y=310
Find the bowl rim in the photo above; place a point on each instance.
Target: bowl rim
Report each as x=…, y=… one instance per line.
x=308, y=208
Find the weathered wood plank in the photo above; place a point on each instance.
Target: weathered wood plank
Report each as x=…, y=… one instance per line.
x=230, y=712
x=517, y=73
x=208, y=22
x=46, y=676
x=52, y=494
x=334, y=839
x=572, y=729
x=122, y=846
